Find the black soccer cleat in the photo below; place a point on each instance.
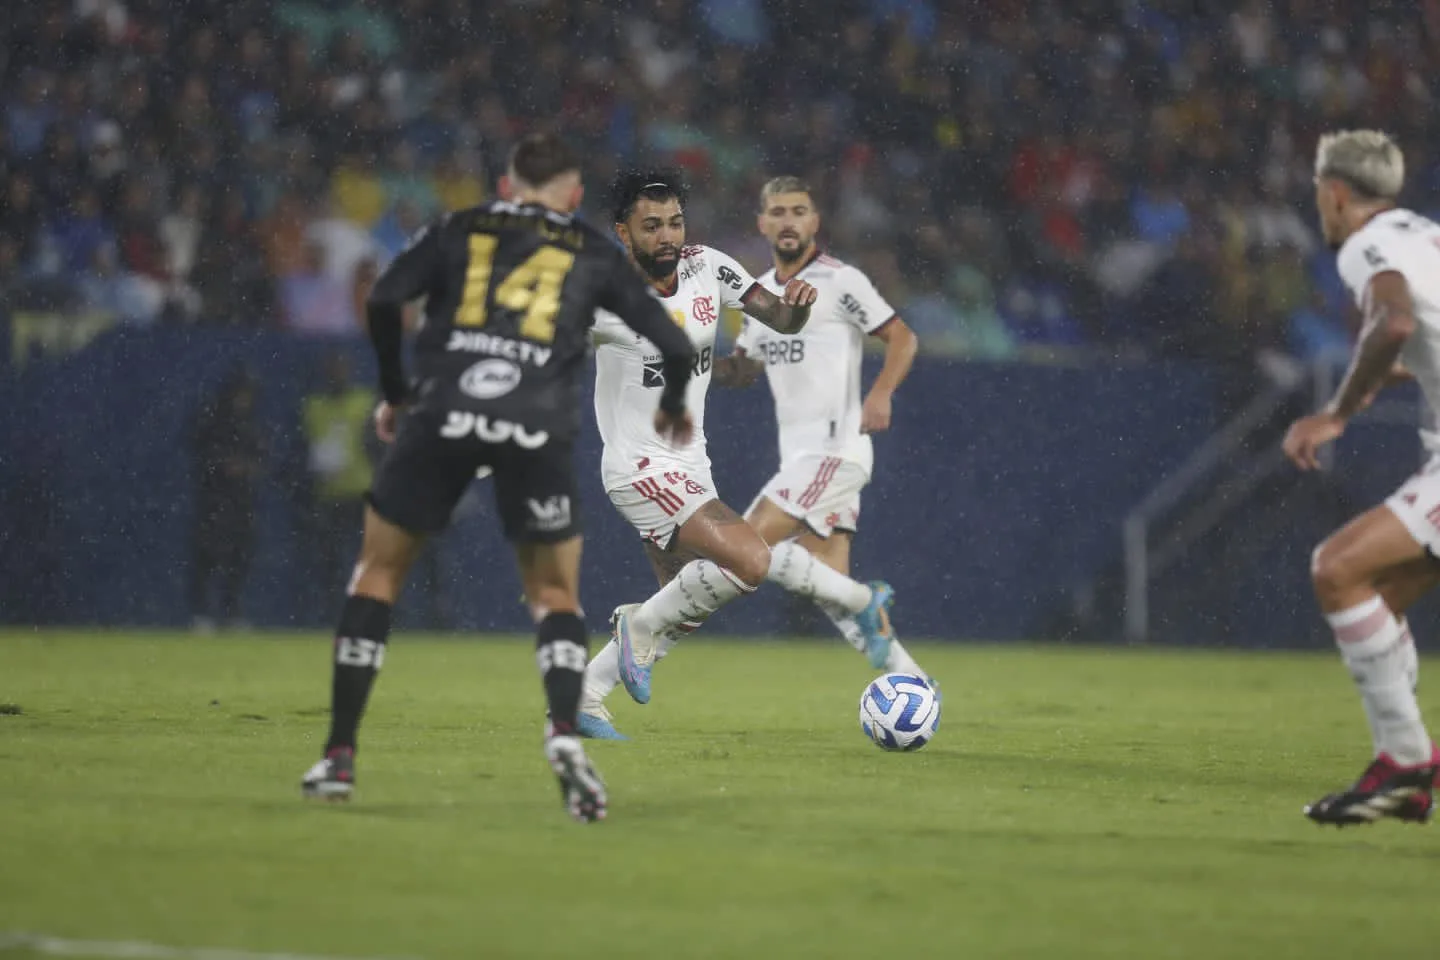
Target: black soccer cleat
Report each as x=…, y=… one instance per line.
x=333, y=778
x=581, y=789
x=1385, y=789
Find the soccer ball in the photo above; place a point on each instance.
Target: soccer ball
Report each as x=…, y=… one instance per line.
x=899, y=711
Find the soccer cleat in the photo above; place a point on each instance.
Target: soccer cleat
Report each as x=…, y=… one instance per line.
x=874, y=623
x=594, y=722
x=581, y=789
x=637, y=652
x=1385, y=789
x=333, y=778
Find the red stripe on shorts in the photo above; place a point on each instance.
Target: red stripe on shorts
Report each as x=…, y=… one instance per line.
x=823, y=476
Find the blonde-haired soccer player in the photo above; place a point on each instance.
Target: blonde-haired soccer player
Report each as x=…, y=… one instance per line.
x=1370, y=571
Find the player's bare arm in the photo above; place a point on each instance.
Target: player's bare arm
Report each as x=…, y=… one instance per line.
x=1389, y=323
x=901, y=345
x=787, y=313
x=737, y=370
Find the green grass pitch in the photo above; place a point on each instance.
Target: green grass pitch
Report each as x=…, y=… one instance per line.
x=1075, y=804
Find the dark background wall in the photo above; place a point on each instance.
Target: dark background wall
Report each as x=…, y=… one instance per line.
x=995, y=508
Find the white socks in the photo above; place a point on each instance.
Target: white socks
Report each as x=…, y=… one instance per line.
x=844, y=622
x=602, y=674
x=898, y=660
x=1410, y=656
x=796, y=569
x=702, y=587
x=698, y=590
x=1381, y=657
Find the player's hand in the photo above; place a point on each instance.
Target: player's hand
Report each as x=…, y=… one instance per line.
x=798, y=293
x=875, y=413
x=675, y=428
x=1308, y=434
x=386, y=418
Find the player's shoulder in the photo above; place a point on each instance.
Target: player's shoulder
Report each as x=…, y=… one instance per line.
x=831, y=269
x=696, y=253
x=1398, y=226
x=1373, y=248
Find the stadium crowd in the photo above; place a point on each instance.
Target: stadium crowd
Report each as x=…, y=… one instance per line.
x=1017, y=175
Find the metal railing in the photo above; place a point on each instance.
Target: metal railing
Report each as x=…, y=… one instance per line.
x=1234, y=473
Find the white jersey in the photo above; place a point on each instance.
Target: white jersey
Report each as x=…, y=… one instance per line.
x=814, y=375
x=1409, y=244
x=629, y=375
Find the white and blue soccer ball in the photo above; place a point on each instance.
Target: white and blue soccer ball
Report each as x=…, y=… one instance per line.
x=899, y=711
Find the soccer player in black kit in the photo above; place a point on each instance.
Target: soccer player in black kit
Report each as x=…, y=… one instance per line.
x=511, y=290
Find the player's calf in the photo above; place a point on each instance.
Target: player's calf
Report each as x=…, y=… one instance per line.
x=360, y=643
x=560, y=652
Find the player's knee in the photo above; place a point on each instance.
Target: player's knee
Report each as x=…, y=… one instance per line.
x=1332, y=570
x=752, y=565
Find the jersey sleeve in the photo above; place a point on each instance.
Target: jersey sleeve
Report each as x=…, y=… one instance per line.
x=734, y=280
x=411, y=274
x=1362, y=259
x=861, y=304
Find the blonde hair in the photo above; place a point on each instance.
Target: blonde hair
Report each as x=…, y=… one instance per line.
x=1368, y=160
x=781, y=185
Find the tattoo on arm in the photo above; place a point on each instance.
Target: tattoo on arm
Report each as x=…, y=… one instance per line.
x=774, y=312
x=1389, y=322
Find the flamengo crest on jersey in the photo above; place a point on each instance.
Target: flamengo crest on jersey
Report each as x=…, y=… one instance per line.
x=1405, y=242
x=814, y=375
x=628, y=376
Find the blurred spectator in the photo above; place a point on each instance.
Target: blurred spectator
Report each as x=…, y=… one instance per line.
x=228, y=451
x=81, y=232
x=343, y=242
x=336, y=420
x=21, y=218
x=393, y=232
x=1160, y=216
x=1069, y=148
x=314, y=302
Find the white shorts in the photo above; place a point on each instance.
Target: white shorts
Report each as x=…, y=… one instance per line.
x=657, y=504
x=1417, y=504
x=821, y=492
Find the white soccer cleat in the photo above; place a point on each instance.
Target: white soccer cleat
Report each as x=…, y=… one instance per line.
x=638, y=651
x=581, y=789
x=332, y=778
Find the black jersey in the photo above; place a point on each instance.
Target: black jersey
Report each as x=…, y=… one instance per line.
x=511, y=292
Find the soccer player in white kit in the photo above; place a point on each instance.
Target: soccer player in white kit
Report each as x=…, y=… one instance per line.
x=704, y=554
x=826, y=456
x=1370, y=571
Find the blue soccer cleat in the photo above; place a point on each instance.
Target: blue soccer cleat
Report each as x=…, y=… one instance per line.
x=595, y=723
x=637, y=652
x=874, y=623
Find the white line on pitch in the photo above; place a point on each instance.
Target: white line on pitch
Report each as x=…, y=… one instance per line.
x=136, y=950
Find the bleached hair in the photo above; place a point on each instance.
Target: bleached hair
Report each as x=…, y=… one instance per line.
x=1368, y=160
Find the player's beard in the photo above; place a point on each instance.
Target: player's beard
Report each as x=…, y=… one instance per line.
x=787, y=255
x=654, y=267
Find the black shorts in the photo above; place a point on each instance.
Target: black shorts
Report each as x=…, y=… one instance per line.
x=436, y=454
